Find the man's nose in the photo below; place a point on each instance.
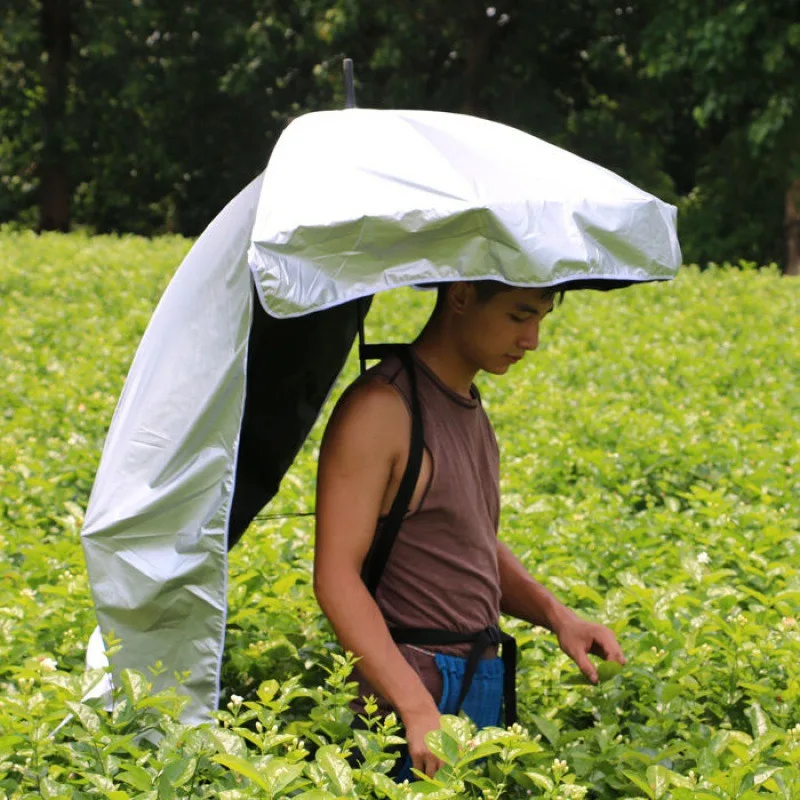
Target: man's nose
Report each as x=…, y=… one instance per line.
x=530, y=337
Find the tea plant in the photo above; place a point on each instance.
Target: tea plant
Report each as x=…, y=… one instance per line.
x=651, y=478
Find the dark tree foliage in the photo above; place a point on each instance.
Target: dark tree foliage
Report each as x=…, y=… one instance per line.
x=740, y=64
x=182, y=110
x=147, y=116
x=21, y=106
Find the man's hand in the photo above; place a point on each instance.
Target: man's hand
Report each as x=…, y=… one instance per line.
x=417, y=724
x=577, y=638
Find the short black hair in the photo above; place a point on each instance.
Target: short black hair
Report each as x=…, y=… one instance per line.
x=485, y=290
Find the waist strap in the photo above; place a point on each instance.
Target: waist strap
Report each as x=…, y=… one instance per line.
x=480, y=641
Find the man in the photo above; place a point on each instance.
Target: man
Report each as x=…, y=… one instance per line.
x=447, y=569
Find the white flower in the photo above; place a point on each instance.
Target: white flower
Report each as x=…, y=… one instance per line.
x=48, y=664
x=703, y=558
x=236, y=700
x=491, y=11
x=559, y=768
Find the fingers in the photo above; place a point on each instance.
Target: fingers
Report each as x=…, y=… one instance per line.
x=585, y=666
x=417, y=726
x=614, y=652
x=432, y=766
x=426, y=762
x=606, y=646
x=597, y=640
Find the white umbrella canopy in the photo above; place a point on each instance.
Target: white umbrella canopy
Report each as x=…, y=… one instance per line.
x=373, y=199
x=223, y=391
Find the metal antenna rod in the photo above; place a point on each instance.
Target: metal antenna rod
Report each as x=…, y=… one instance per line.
x=362, y=304
x=349, y=84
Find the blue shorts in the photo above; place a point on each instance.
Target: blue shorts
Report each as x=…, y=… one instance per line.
x=483, y=703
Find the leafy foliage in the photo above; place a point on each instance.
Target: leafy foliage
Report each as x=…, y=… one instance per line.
x=650, y=478
x=169, y=109
x=741, y=62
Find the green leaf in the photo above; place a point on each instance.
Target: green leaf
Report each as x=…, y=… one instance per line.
x=229, y=743
x=101, y=782
x=338, y=771
x=763, y=774
x=135, y=685
x=639, y=782
x=136, y=776
x=443, y=746
x=582, y=591
x=53, y=790
x=540, y=779
x=244, y=768
x=547, y=729
x=88, y=716
x=671, y=691
x=759, y=722
x=659, y=779
x=606, y=670
x=384, y=785
x=458, y=728
x=481, y=751
x=280, y=773
x=179, y=772
x=267, y=691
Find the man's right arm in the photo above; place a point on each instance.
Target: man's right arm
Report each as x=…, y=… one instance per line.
x=365, y=444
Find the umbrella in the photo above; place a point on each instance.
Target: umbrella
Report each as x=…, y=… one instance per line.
x=371, y=200
x=258, y=320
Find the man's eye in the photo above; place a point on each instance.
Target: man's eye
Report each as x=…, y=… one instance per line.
x=515, y=318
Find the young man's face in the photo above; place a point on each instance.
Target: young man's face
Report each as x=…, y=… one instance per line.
x=499, y=332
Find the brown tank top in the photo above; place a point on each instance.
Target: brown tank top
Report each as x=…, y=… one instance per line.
x=442, y=572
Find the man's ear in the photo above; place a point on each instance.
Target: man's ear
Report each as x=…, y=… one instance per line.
x=460, y=296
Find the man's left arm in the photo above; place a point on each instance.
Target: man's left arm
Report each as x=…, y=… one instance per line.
x=525, y=598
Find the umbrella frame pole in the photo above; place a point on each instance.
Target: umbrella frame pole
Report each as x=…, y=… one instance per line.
x=349, y=84
x=362, y=304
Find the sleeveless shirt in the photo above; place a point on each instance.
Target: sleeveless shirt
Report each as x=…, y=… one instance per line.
x=442, y=572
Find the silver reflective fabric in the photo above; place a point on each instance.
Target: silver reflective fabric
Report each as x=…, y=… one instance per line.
x=373, y=199
x=155, y=531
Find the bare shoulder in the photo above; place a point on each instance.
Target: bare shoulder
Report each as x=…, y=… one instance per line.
x=370, y=414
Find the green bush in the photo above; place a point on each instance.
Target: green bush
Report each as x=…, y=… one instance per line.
x=650, y=478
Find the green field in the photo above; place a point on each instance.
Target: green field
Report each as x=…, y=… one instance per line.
x=651, y=478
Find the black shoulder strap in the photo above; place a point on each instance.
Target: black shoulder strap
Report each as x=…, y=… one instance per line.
x=382, y=544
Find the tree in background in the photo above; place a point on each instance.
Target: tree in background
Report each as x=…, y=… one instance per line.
x=21, y=101
x=157, y=113
x=742, y=61
x=153, y=114
x=564, y=70
x=56, y=20
x=181, y=111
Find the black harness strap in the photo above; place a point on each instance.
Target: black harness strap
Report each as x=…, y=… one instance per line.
x=382, y=544
x=381, y=548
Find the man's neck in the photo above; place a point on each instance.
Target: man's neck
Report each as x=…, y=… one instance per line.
x=444, y=360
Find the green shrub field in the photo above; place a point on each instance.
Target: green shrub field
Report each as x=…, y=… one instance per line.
x=651, y=478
